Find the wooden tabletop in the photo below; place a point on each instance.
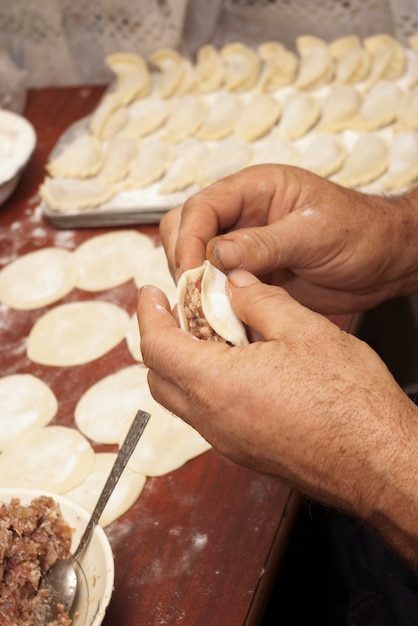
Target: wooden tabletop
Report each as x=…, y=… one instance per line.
x=200, y=545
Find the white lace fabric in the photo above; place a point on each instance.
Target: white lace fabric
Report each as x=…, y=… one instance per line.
x=65, y=42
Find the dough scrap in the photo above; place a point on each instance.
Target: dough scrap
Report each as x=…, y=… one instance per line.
x=69, y=194
x=132, y=76
x=258, y=117
x=242, y=67
x=300, y=112
x=184, y=170
x=154, y=270
x=366, y=162
x=209, y=70
x=26, y=402
x=106, y=410
x=166, y=444
x=126, y=492
x=153, y=160
x=324, y=155
x=76, y=333
x=37, y=278
x=110, y=259
x=53, y=458
x=403, y=161
x=227, y=157
x=79, y=159
x=119, y=153
x=186, y=117
x=342, y=103
x=279, y=67
x=221, y=118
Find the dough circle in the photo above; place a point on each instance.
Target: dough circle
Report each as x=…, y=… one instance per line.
x=125, y=493
x=54, y=458
x=106, y=261
x=76, y=333
x=37, y=279
x=26, y=402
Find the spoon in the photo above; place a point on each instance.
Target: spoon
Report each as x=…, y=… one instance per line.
x=61, y=578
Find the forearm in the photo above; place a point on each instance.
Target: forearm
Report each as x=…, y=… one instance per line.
x=405, y=238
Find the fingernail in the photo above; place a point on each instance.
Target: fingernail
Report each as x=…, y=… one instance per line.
x=242, y=278
x=227, y=254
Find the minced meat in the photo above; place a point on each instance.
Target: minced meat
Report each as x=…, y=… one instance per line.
x=196, y=320
x=32, y=538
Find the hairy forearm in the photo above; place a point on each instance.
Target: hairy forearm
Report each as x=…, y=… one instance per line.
x=403, y=241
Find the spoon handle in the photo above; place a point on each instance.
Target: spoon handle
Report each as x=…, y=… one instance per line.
x=134, y=433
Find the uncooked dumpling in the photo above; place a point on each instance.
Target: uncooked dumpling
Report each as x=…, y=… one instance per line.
x=341, y=104
x=403, y=162
x=275, y=149
x=300, y=112
x=153, y=160
x=242, y=67
x=366, y=162
x=185, y=168
x=127, y=490
x=279, y=67
x=110, y=259
x=185, y=119
x=379, y=108
x=221, y=118
x=76, y=333
x=146, y=116
x=79, y=159
x=172, y=70
x=388, y=58
x=351, y=59
x=26, y=402
x=106, y=108
x=119, y=153
x=315, y=64
x=209, y=70
x=53, y=458
x=257, y=117
x=227, y=157
x=115, y=122
x=68, y=194
x=37, y=278
x=132, y=76
x=324, y=155
x=407, y=117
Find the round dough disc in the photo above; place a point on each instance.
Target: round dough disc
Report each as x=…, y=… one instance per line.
x=37, y=279
x=109, y=260
x=54, y=458
x=126, y=492
x=26, y=402
x=166, y=444
x=76, y=333
x=106, y=409
x=153, y=270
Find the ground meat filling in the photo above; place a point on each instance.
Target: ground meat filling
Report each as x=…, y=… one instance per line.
x=196, y=320
x=32, y=538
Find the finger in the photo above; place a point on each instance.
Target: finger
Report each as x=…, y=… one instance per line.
x=269, y=310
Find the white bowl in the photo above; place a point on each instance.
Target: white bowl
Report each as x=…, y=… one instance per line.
x=96, y=563
x=17, y=142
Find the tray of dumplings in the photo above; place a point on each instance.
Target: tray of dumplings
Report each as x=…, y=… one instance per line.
x=168, y=125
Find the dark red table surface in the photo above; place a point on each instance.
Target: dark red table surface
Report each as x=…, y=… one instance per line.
x=201, y=545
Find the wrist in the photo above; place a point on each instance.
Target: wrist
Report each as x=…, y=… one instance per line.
x=404, y=243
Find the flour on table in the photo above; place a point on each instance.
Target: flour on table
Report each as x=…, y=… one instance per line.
x=76, y=333
x=26, y=402
x=37, y=279
x=54, y=458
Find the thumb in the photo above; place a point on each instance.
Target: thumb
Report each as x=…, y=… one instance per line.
x=268, y=309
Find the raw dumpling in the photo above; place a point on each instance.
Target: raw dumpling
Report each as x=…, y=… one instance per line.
x=221, y=118
x=379, y=108
x=117, y=119
x=315, y=65
x=367, y=161
x=172, y=70
x=146, y=116
x=227, y=157
x=279, y=68
x=403, y=162
x=242, y=67
x=79, y=159
x=132, y=76
x=300, y=112
x=69, y=194
x=209, y=70
x=324, y=155
x=150, y=165
x=118, y=156
x=351, y=60
x=341, y=104
x=257, y=117
x=388, y=58
x=186, y=117
x=106, y=108
x=184, y=170
x=407, y=117
x=275, y=149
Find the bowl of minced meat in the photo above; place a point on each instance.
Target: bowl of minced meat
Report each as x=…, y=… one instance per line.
x=36, y=529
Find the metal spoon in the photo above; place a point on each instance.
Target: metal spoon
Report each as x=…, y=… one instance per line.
x=61, y=578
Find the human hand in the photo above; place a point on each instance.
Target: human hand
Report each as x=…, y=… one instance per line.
x=310, y=404
x=334, y=249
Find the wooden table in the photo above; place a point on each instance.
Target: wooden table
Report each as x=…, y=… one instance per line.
x=201, y=544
